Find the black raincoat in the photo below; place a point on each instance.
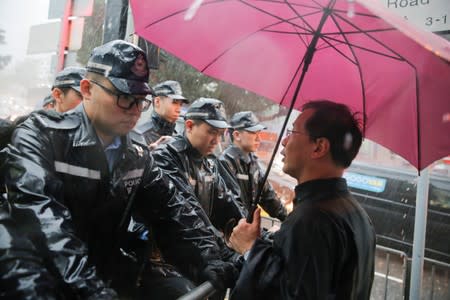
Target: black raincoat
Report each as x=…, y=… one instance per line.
x=248, y=173
x=200, y=175
x=324, y=250
x=69, y=205
x=154, y=128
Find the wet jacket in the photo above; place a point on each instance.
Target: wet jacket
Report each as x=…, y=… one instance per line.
x=62, y=192
x=201, y=176
x=155, y=128
x=324, y=250
x=248, y=173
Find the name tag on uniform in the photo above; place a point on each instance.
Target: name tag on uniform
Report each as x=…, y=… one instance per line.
x=242, y=176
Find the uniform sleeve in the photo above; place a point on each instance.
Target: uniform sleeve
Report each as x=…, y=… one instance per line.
x=34, y=193
x=181, y=228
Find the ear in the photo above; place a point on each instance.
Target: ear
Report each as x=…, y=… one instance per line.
x=56, y=94
x=156, y=102
x=236, y=135
x=85, y=89
x=188, y=124
x=321, y=148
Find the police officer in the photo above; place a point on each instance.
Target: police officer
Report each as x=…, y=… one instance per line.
x=167, y=105
x=66, y=88
x=241, y=161
x=74, y=179
x=189, y=159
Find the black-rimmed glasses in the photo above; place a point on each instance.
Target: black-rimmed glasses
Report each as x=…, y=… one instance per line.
x=126, y=101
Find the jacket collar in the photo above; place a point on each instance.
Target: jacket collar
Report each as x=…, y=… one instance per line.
x=318, y=189
x=162, y=126
x=235, y=151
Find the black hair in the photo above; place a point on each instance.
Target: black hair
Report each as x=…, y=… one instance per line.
x=337, y=123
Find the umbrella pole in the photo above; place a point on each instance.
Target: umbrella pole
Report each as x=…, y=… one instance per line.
x=307, y=61
x=420, y=225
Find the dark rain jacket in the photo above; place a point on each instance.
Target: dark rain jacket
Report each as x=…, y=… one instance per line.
x=154, y=128
x=70, y=205
x=324, y=250
x=248, y=173
x=201, y=176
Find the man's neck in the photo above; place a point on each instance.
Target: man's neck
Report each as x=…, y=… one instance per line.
x=320, y=172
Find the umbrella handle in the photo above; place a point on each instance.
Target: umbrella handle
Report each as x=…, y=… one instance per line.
x=203, y=291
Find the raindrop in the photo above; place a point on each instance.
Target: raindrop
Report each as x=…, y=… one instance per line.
x=351, y=9
x=404, y=216
x=190, y=13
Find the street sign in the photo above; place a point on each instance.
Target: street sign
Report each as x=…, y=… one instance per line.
x=80, y=8
x=430, y=15
x=45, y=37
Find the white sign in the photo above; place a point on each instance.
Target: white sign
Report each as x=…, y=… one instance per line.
x=431, y=15
x=45, y=37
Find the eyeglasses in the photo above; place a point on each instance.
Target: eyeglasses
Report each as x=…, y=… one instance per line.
x=126, y=101
x=291, y=131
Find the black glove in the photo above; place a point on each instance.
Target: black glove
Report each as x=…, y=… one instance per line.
x=222, y=275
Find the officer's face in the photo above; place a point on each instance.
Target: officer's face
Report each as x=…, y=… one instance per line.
x=203, y=136
x=107, y=117
x=246, y=140
x=66, y=100
x=168, y=108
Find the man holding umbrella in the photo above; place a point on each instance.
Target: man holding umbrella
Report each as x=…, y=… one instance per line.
x=325, y=247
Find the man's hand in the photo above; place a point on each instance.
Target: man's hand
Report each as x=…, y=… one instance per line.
x=245, y=234
x=162, y=140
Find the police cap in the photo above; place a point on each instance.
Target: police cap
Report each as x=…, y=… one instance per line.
x=170, y=88
x=246, y=120
x=209, y=110
x=124, y=64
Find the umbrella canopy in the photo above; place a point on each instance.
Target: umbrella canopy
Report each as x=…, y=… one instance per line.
x=352, y=52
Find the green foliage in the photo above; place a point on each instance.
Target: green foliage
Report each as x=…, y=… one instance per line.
x=196, y=85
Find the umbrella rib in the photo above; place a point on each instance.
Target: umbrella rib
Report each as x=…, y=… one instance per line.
x=358, y=66
x=337, y=50
x=240, y=41
x=400, y=58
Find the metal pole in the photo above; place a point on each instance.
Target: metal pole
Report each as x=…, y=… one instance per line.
x=420, y=225
x=203, y=291
x=64, y=35
x=115, y=25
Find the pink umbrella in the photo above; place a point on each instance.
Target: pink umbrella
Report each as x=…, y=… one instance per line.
x=354, y=52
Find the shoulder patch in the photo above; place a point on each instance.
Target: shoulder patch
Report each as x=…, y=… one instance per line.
x=55, y=120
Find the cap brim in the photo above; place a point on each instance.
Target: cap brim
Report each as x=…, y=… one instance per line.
x=178, y=97
x=255, y=128
x=76, y=88
x=217, y=124
x=132, y=87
